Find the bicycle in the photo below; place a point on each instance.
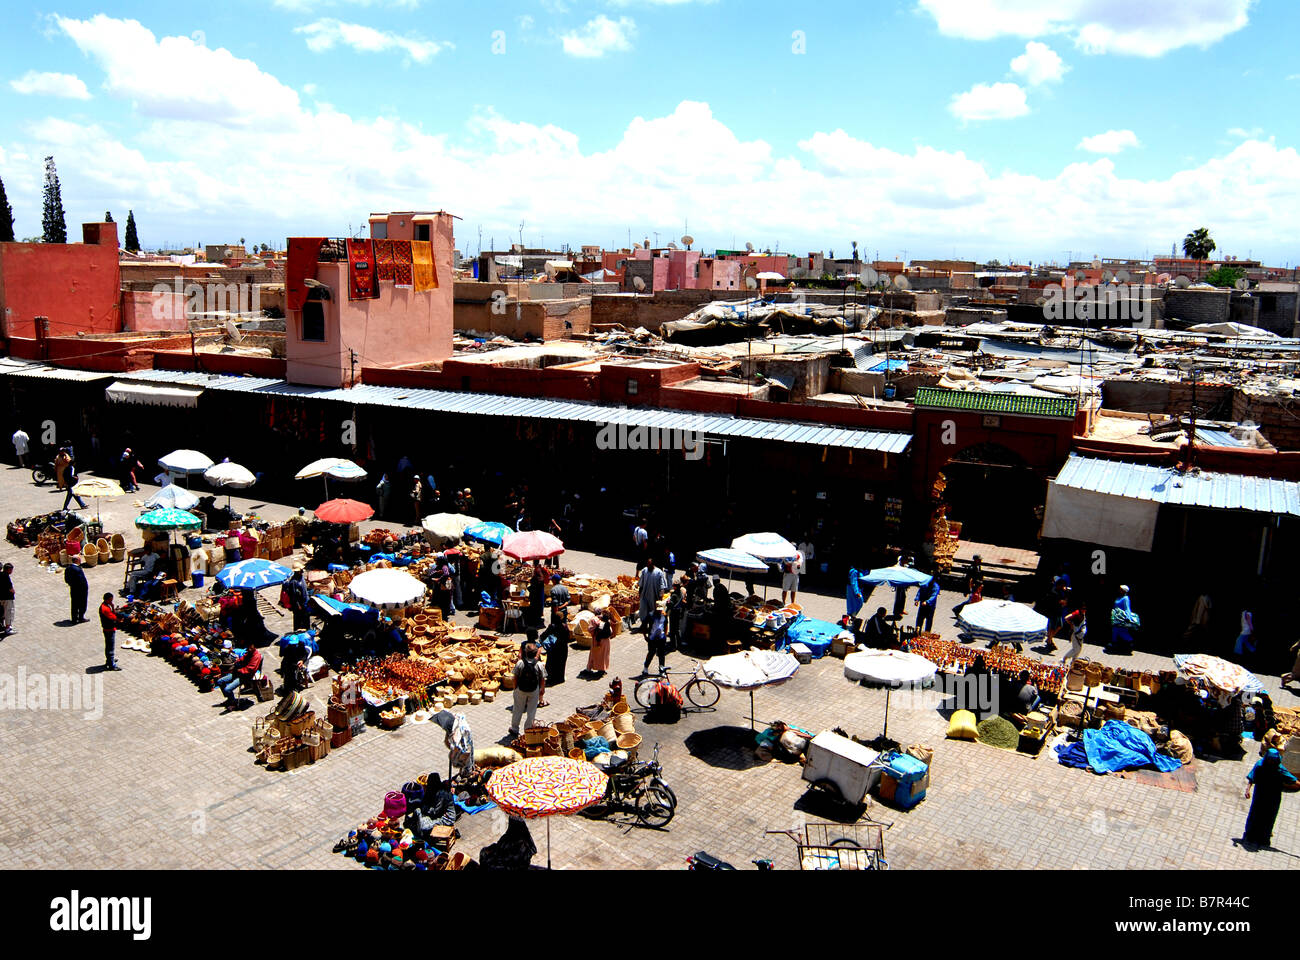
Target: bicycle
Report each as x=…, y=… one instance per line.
x=702, y=692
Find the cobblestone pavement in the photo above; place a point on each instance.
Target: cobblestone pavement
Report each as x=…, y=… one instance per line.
x=165, y=778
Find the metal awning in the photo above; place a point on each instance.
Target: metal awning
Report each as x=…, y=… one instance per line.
x=154, y=395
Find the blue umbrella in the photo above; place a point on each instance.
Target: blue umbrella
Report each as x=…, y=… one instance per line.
x=333, y=608
x=897, y=576
x=168, y=518
x=488, y=532
x=734, y=560
x=253, y=575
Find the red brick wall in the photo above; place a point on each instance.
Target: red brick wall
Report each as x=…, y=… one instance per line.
x=74, y=284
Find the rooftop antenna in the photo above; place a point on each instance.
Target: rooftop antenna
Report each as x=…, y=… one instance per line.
x=687, y=240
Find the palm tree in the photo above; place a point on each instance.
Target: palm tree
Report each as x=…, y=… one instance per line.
x=1198, y=245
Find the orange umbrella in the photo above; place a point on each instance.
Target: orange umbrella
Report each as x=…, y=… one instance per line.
x=344, y=511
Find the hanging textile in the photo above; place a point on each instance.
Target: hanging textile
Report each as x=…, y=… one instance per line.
x=361, y=270
x=304, y=253
x=424, y=273
x=402, y=266
x=383, y=259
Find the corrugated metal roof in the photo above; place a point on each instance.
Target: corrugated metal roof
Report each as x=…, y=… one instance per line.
x=1214, y=437
x=1219, y=491
x=1040, y=406
x=496, y=405
x=42, y=372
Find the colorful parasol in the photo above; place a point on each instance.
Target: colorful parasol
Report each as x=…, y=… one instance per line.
x=253, y=574
x=344, y=511
x=547, y=786
x=168, y=518
x=1002, y=621
x=532, y=545
x=1224, y=677
x=751, y=669
x=489, y=532
x=327, y=467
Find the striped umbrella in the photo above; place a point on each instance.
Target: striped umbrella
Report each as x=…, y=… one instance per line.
x=1002, y=621
x=532, y=545
x=488, y=532
x=771, y=547
x=750, y=670
x=253, y=575
x=736, y=561
x=386, y=588
x=327, y=467
x=546, y=787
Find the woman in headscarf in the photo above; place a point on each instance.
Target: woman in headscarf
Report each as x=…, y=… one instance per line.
x=1267, y=780
x=853, y=594
x=598, y=659
x=536, y=597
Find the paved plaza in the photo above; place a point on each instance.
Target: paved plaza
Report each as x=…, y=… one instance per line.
x=166, y=778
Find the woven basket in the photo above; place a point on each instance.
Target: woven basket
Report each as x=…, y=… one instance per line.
x=624, y=723
x=608, y=732
x=536, y=735
x=621, y=707
x=629, y=741
x=576, y=754
x=89, y=555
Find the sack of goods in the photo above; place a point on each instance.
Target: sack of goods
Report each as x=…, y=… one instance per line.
x=962, y=726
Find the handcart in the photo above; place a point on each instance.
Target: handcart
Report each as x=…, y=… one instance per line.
x=843, y=769
x=839, y=846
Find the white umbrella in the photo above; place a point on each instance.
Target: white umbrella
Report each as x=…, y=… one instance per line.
x=448, y=527
x=327, y=467
x=173, y=496
x=889, y=667
x=231, y=476
x=1002, y=621
x=751, y=669
x=186, y=462
x=386, y=588
x=771, y=547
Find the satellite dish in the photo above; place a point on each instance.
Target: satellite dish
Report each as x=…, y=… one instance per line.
x=232, y=331
x=1080, y=275
x=1243, y=284
x=1123, y=276
x=901, y=282
x=671, y=245
x=1107, y=276
x=751, y=283
x=869, y=276
x=1182, y=282
x=638, y=284
x=749, y=247
x=688, y=240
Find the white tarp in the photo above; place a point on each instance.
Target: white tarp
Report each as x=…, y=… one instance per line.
x=1100, y=518
x=154, y=395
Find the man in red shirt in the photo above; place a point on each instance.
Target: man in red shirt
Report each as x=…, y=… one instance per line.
x=108, y=620
x=241, y=673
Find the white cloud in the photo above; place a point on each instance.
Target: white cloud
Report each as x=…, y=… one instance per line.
x=67, y=85
x=984, y=101
x=195, y=174
x=600, y=36
x=327, y=33
x=1095, y=26
x=1112, y=141
x=1039, y=64
x=181, y=78
x=314, y=6
x=1243, y=134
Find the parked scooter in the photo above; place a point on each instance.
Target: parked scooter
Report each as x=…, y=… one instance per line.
x=638, y=786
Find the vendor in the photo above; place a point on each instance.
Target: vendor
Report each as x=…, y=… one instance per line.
x=559, y=599
x=241, y=673
x=721, y=599
x=298, y=600
x=248, y=626
x=1027, y=696
x=536, y=597
x=146, y=574
x=878, y=633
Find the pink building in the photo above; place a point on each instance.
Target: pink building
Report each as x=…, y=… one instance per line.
x=683, y=269
x=330, y=338
x=717, y=274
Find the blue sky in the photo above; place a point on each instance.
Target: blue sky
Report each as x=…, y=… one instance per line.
x=980, y=128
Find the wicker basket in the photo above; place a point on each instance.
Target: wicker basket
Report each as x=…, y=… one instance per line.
x=576, y=754
x=629, y=742
x=608, y=732
x=89, y=555
x=536, y=735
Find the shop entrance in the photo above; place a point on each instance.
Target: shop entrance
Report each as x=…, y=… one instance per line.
x=995, y=496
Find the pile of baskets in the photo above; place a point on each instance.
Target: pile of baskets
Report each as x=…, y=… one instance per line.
x=291, y=735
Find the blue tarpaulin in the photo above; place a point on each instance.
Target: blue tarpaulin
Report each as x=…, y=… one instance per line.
x=1117, y=746
x=816, y=635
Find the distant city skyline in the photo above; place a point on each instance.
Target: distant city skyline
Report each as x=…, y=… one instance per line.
x=975, y=129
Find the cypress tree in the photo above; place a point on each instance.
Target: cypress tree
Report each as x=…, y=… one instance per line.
x=6, y=217
x=54, y=226
x=132, y=239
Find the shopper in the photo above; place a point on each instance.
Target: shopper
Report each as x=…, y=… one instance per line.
x=1267, y=779
x=651, y=589
x=560, y=600
x=657, y=639
x=1199, y=624
x=1076, y=621
x=790, y=579
x=1122, y=621
x=22, y=446
x=927, y=599
x=1245, y=645
x=241, y=673
x=536, y=597
x=298, y=601
x=530, y=682
x=78, y=589
x=108, y=621
x=70, y=478
x=417, y=498
x=7, y=599
x=127, y=465
x=602, y=637
x=556, y=644
x=640, y=544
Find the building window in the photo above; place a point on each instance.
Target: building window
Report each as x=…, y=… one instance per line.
x=379, y=229
x=421, y=231
x=632, y=387
x=313, y=322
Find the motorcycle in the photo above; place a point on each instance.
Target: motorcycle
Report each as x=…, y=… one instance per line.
x=638, y=786
x=705, y=861
x=43, y=473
